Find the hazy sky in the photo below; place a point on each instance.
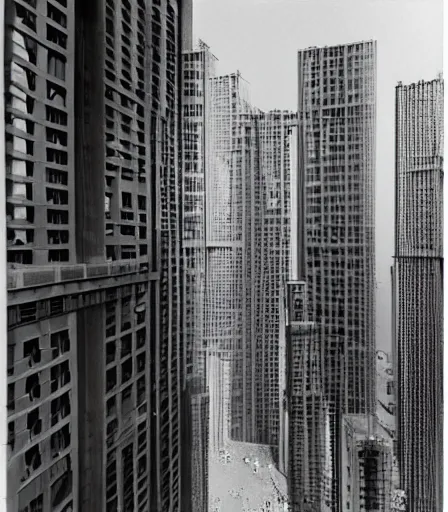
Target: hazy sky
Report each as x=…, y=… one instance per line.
x=261, y=38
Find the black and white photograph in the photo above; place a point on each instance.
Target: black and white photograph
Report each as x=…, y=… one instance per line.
x=222, y=266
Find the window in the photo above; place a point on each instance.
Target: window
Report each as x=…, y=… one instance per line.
x=57, y=237
x=57, y=137
x=56, y=64
x=60, y=408
x=55, y=176
x=60, y=440
x=56, y=94
x=58, y=255
x=110, y=352
x=56, y=196
x=57, y=216
x=32, y=386
x=60, y=343
x=126, y=199
x=31, y=351
x=34, y=422
x=56, y=37
x=56, y=156
x=27, y=17
x=32, y=459
x=56, y=15
x=60, y=376
x=61, y=489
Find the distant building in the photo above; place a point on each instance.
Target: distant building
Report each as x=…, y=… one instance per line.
x=418, y=292
x=198, y=67
x=247, y=228
x=366, y=458
x=385, y=395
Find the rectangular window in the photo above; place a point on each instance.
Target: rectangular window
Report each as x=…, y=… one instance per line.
x=56, y=64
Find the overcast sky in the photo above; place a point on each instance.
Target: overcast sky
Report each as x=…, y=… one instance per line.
x=260, y=38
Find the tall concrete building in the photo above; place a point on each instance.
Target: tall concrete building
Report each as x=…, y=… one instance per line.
x=418, y=292
x=274, y=137
x=335, y=223
x=224, y=295
x=93, y=182
x=309, y=464
x=247, y=227
x=198, y=67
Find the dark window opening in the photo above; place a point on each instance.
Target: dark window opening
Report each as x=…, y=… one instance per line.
x=56, y=15
x=31, y=351
x=57, y=237
x=60, y=440
x=56, y=196
x=55, y=255
x=55, y=176
x=110, y=351
x=32, y=458
x=60, y=408
x=32, y=386
x=34, y=422
x=56, y=37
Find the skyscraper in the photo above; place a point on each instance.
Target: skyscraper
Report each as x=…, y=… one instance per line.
x=198, y=67
x=309, y=453
x=418, y=292
x=335, y=222
x=93, y=245
x=273, y=135
x=224, y=295
x=247, y=236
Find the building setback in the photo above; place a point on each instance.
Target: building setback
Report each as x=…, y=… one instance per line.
x=418, y=292
x=94, y=284
x=335, y=225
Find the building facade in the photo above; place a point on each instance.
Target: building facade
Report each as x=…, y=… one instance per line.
x=274, y=134
x=198, y=67
x=418, y=292
x=247, y=228
x=309, y=464
x=93, y=219
x=335, y=222
x=225, y=308
x=366, y=450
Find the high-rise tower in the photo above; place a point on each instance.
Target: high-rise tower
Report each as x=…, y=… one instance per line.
x=335, y=222
x=93, y=220
x=198, y=67
x=418, y=292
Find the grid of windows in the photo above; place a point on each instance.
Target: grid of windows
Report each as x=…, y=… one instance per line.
x=39, y=137
x=42, y=437
x=418, y=296
x=337, y=111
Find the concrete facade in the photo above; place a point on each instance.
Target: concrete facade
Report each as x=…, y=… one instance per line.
x=94, y=287
x=418, y=292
